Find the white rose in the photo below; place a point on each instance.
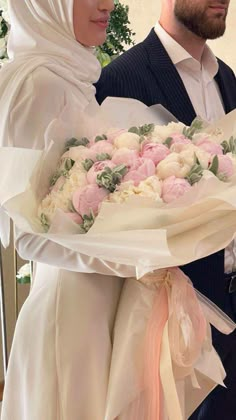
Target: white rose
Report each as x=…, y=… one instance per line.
x=128, y=140
x=174, y=164
x=165, y=131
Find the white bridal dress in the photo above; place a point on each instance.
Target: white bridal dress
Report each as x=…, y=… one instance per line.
x=61, y=352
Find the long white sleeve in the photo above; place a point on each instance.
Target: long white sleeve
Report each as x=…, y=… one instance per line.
x=38, y=249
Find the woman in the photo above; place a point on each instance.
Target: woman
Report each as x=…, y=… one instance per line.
x=60, y=357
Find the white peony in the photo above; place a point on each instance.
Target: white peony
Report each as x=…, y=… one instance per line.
x=128, y=140
x=175, y=164
x=52, y=202
x=165, y=131
x=149, y=188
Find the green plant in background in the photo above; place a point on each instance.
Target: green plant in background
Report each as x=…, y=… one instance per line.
x=118, y=34
x=24, y=274
x=3, y=36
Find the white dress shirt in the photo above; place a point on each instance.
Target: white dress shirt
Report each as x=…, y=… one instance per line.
x=203, y=91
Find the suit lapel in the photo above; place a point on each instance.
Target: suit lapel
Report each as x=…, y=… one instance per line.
x=176, y=99
x=225, y=89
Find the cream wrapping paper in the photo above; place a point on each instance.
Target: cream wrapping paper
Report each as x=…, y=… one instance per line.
x=141, y=233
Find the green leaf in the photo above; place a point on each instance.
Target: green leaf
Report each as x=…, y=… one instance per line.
x=45, y=222
x=143, y=130
x=100, y=138
x=23, y=280
x=195, y=173
x=74, y=142
x=229, y=146
x=214, y=166
x=88, y=221
x=103, y=156
x=168, y=141
x=134, y=130
x=195, y=127
x=110, y=178
x=87, y=164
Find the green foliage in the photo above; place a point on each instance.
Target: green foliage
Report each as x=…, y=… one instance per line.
x=118, y=34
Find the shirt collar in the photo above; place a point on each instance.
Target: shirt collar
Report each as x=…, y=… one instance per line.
x=178, y=55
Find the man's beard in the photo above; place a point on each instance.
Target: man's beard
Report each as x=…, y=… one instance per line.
x=194, y=18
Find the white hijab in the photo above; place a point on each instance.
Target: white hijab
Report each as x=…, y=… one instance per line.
x=42, y=35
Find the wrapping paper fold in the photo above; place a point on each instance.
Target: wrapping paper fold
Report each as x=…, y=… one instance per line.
x=164, y=347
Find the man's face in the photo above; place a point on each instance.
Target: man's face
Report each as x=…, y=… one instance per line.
x=205, y=18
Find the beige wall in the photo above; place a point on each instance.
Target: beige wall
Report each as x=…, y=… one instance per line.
x=144, y=14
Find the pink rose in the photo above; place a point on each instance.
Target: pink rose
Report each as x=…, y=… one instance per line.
x=155, y=151
x=210, y=147
x=226, y=167
x=173, y=188
x=102, y=146
x=126, y=156
x=75, y=217
x=97, y=168
x=143, y=169
x=88, y=199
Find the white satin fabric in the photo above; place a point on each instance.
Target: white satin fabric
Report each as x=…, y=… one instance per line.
x=61, y=352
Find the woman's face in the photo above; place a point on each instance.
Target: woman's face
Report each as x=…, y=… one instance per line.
x=91, y=20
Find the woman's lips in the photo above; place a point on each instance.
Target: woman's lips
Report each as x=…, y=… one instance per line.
x=101, y=23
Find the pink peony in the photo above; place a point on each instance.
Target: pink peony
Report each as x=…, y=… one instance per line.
x=226, y=167
x=142, y=170
x=155, y=151
x=210, y=147
x=97, y=168
x=102, y=146
x=75, y=217
x=88, y=199
x=179, y=139
x=127, y=156
x=173, y=188
x=179, y=142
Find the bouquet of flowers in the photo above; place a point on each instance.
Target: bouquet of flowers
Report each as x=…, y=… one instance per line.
x=152, y=197
x=157, y=162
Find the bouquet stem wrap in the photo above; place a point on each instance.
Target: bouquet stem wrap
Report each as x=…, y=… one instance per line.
x=178, y=358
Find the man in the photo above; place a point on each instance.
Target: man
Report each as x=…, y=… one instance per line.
x=173, y=66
